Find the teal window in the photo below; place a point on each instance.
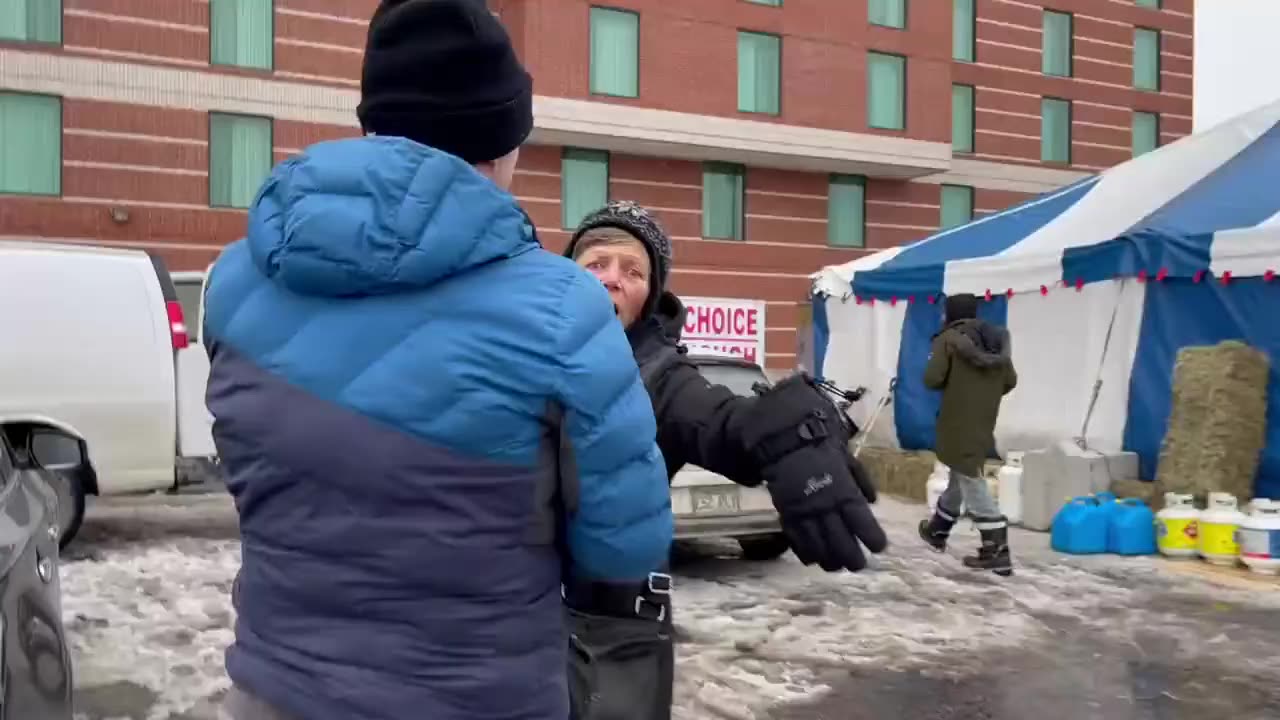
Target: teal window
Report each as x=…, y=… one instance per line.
x=1055, y=130
x=771, y=3
x=847, y=211
x=239, y=158
x=1149, y=3
x=1146, y=132
x=957, y=206
x=962, y=114
x=964, y=24
x=1146, y=59
x=1055, y=54
x=242, y=33
x=34, y=21
x=722, y=207
x=887, y=13
x=30, y=144
x=615, y=52
x=886, y=91
x=759, y=72
x=584, y=184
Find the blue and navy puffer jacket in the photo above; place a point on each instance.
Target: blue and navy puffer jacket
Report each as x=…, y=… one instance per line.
x=396, y=364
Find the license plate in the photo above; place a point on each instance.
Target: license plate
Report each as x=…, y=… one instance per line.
x=715, y=501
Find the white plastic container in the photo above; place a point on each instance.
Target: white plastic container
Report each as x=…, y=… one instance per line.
x=1177, y=527
x=1260, y=537
x=1217, y=529
x=936, y=485
x=1009, y=484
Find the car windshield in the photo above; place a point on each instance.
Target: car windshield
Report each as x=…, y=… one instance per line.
x=737, y=378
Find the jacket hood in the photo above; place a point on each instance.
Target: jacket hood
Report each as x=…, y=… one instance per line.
x=379, y=215
x=979, y=342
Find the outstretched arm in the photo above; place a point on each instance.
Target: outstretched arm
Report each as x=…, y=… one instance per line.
x=701, y=423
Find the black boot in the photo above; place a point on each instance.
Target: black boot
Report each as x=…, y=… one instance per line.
x=994, y=553
x=936, y=530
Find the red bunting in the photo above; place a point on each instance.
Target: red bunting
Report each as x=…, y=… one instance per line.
x=1044, y=290
x=1009, y=292
x=1079, y=284
x=1198, y=276
x=1142, y=276
x=857, y=299
x=1226, y=277
x=911, y=299
x=893, y=301
x=988, y=294
x=1162, y=274
x=933, y=299
x=1268, y=276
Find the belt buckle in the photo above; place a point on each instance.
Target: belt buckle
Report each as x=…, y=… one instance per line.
x=641, y=601
x=660, y=583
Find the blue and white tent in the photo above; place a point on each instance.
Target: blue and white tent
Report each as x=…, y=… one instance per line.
x=1100, y=283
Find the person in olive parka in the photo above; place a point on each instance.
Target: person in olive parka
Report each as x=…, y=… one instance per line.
x=971, y=364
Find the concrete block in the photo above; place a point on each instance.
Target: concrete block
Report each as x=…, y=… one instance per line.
x=1051, y=476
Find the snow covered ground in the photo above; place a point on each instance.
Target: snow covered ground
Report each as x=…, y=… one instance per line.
x=146, y=604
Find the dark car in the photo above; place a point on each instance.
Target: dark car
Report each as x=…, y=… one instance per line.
x=36, y=678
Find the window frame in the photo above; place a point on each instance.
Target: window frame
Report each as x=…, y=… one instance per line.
x=1071, y=43
x=741, y=221
x=62, y=146
x=973, y=32
x=565, y=151
x=903, y=94
x=1070, y=129
x=62, y=31
x=778, y=38
x=906, y=16
x=271, y=142
x=1133, y=130
x=973, y=118
x=246, y=68
x=833, y=180
x=942, y=194
x=590, y=54
x=1159, y=60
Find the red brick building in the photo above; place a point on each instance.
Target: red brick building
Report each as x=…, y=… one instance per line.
x=772, y=136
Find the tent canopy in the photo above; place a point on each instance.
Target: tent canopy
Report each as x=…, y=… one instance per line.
x=1206, y=203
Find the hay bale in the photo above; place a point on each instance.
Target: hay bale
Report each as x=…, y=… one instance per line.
x=1217, y=421
x=1148, y=492
x=901, y=473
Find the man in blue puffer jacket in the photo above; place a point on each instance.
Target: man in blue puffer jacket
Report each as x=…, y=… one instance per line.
x=427, y=421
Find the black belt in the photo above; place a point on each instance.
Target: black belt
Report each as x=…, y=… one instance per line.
x=649, y=599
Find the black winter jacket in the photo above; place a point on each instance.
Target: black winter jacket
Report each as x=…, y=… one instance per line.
x=698, y=422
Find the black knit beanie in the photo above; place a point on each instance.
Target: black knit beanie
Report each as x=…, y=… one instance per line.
x=963, y=306
x=444, y=73
x=640, y=223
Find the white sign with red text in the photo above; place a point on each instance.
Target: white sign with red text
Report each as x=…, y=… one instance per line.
x=725, y=326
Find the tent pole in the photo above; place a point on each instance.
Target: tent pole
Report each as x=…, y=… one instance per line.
x=1083, y=440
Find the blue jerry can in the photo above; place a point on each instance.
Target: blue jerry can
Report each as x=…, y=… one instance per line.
x=1132, y=530
x=1080, y=527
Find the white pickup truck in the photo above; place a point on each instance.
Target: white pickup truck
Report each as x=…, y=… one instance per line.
x=95, y=344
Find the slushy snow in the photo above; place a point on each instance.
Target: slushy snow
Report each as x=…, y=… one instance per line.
x=146, y=600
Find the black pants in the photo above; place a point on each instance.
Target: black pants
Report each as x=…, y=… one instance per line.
x=621, y=664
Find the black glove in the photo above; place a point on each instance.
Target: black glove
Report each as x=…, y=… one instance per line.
x=821, y=492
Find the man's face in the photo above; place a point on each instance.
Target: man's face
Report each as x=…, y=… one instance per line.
x=623, y=266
